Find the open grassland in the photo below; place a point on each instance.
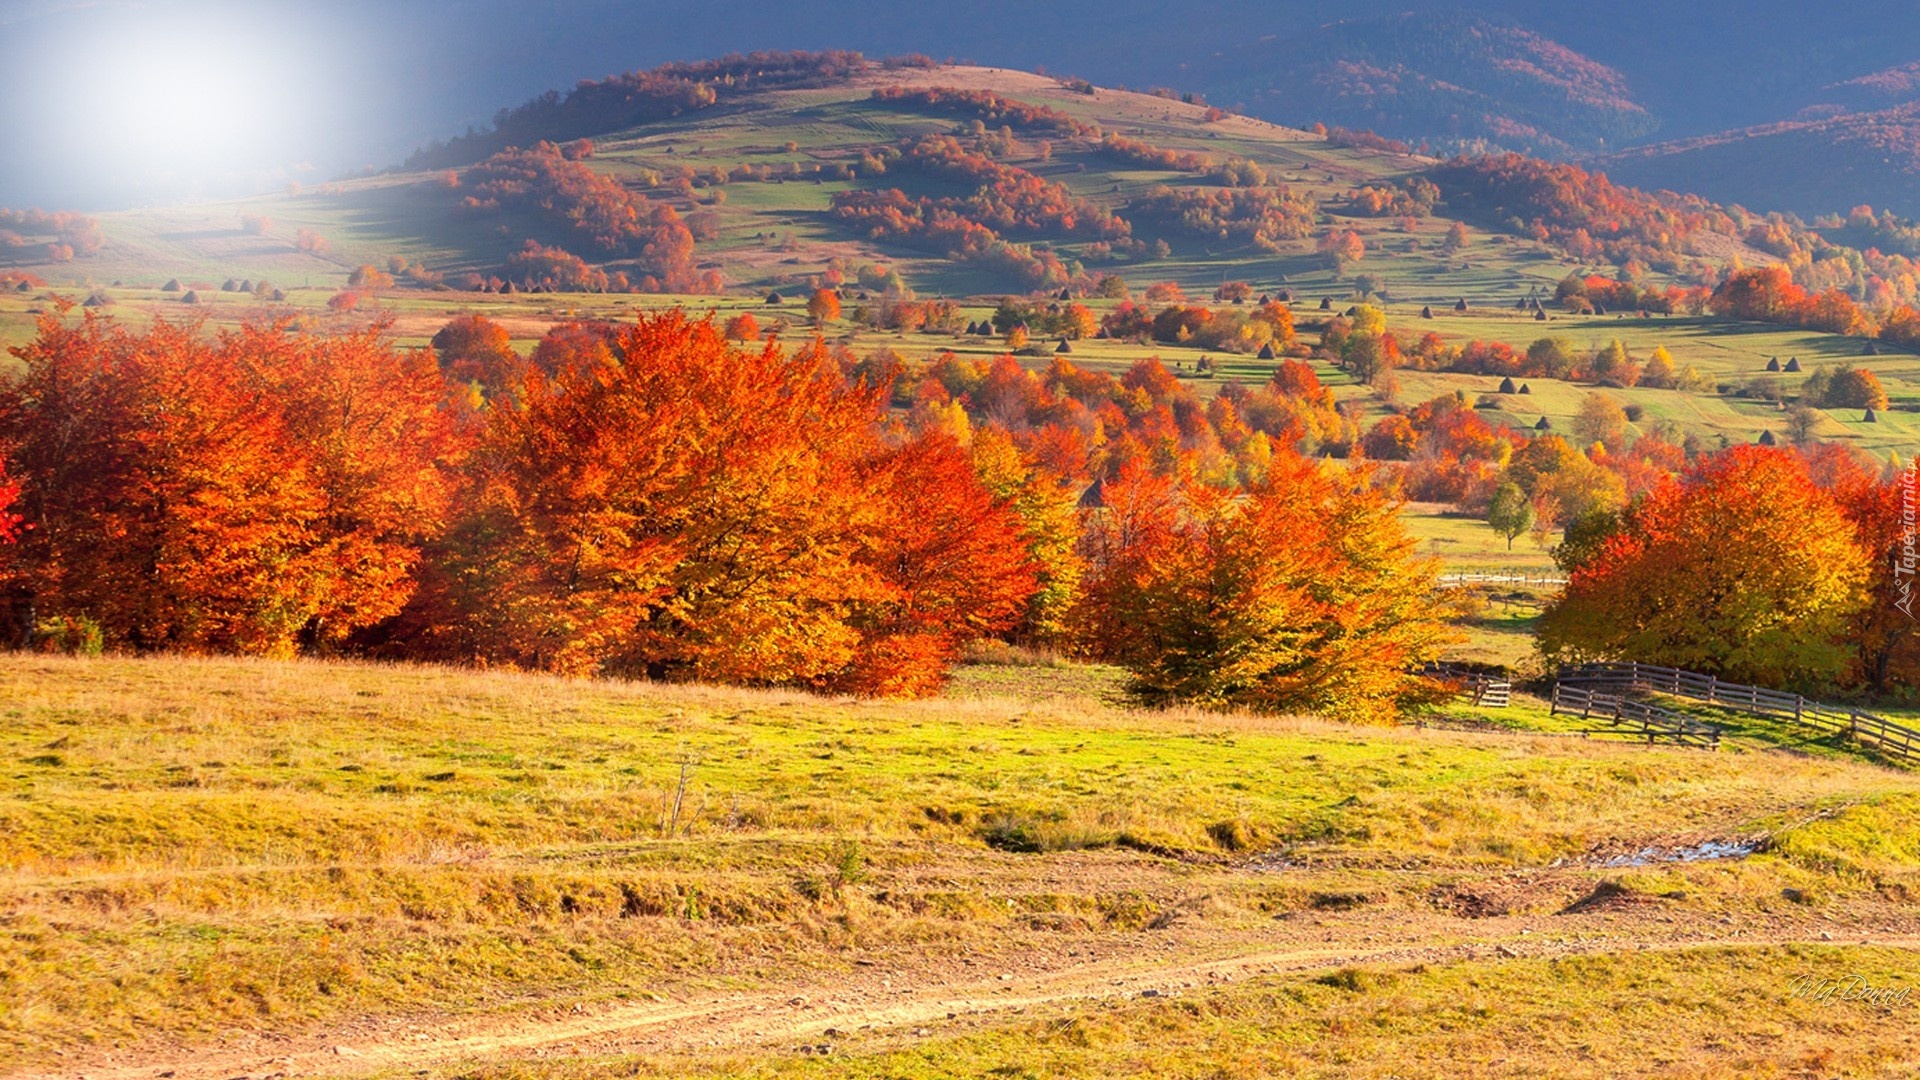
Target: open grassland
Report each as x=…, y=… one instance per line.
x=211, y=865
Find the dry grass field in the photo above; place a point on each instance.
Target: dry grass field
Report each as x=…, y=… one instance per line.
x=223, y=867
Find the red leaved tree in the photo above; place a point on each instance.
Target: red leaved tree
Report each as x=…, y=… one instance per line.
x=653, y=500
x=249, y=492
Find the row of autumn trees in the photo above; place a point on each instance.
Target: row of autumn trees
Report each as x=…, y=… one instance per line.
x=652, y=500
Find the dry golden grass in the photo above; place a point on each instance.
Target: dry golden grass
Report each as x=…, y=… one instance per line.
x=197, y=846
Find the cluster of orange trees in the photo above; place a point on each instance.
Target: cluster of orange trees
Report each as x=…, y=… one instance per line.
x=653, y=500
x=1767, y=566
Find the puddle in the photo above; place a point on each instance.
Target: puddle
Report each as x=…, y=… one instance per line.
x=1705, y=851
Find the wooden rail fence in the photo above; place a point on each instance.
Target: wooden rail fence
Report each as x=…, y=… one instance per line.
x=1879, y=733
x=1638, y=719
x=1478, y=687
x=1500, y=577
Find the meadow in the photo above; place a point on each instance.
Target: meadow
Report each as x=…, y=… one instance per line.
x=213, y=865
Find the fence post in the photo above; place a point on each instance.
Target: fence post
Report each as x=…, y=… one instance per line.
x=1713, y=681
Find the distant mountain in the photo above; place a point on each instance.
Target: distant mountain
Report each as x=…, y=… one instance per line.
x=1821, y=164
x=1453, y=78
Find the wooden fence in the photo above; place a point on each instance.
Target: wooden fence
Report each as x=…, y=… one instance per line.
x=1894, y=740
x=1478, y=687
x=1501, y=577
x=1637, y=719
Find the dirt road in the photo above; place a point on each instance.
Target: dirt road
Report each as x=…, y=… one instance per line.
x=912, y=997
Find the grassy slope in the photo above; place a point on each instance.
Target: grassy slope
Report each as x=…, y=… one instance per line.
x=192, y=847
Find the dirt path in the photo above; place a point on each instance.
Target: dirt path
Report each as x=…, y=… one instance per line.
x=874, y=997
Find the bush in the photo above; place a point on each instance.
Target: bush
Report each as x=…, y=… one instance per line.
x=72, y=635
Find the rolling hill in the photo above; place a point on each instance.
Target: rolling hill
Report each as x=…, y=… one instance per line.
x=1819, y=165
x=1456, y=79
x=716, y=184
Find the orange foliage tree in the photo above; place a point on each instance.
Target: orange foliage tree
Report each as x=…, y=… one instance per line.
x=253, y=492
x=1742, y=568
x=743, y=327
x=476, y=350
x=823, y=307
x=657, y=501
x=1885, y=636
x=1303, y=596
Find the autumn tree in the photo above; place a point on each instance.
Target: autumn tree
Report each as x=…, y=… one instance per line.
x=952, y=562
x=1743, y=568
x=1601, y=420
x=658, y=501
x=476, y=350
x=743, y=327
x=1854, y=388
x=1660, y=373
x=1367, y=350
x=823, y=307
x=1564, y=483
x=1885, y=637
x=1341, y=248
x=257, y=491
x=1044, y=504
x=1304, y=596
x=368, y=276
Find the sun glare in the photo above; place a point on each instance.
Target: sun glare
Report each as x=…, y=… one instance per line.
x=200, y=94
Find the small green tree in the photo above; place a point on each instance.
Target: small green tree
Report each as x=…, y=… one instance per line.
x=1510, y=512
x=1583, y=537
